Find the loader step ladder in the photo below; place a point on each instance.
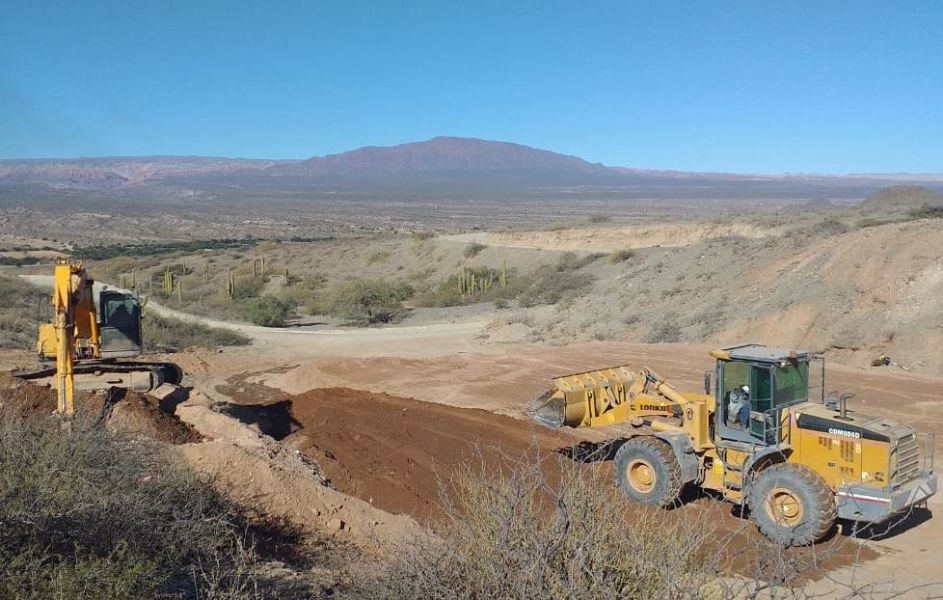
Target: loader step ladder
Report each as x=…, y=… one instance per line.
x=733, y=481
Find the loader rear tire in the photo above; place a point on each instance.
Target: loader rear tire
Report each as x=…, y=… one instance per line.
x=647, y=471
x=792, y=505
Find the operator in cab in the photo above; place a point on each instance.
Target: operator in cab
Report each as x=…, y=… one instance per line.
x=738, y=409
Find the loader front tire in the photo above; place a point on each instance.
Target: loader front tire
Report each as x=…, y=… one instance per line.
x=647, y=471
x=792, y=505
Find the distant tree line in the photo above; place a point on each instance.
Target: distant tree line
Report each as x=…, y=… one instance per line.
x=106, y=251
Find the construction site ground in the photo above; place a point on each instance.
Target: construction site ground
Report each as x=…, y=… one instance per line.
x=354, y=405
x=355, y=434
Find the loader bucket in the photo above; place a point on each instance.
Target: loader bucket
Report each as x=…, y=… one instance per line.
x=578, y=398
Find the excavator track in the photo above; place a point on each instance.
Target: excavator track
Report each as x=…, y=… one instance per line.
x=91, y=376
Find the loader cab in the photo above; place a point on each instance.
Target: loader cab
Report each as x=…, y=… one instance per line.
x=777, y=379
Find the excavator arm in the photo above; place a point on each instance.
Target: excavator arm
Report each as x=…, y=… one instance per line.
x=75, y=325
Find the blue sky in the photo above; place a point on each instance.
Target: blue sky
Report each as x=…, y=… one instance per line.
x=731, y=86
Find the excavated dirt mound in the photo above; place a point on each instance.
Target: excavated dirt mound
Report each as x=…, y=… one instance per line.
x=142, y=415
x=121, y=410
x=397, y=452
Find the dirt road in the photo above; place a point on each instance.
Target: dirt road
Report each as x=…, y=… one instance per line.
x=277, y=344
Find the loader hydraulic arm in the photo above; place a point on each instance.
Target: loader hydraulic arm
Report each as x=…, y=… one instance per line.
x=607, y=397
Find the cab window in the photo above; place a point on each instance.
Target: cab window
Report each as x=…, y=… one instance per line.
x=761, y=388
x=120, y=312
x=792, y=383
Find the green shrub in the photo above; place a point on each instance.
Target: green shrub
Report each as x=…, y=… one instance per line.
x=620, y=256
x=473, y=249
x=469, y=286
x=104, y=252
x=166, y=332
x=267, y=311
x=247, y=287
x=927, y=212
x=369, y=301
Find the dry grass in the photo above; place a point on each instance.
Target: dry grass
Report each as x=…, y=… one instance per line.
x=162, y=333
x=90, y=514
x=519, y=534
x=22, y=308
x=553, y=528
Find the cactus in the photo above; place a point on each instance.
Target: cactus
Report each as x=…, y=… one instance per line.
x=262, y=265
x=231, y=285
x=206, y=273
x=168, y=283
x=180, y=291
x=134, y=278
x=504, y=274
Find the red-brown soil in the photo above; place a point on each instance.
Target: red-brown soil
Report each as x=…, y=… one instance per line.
x=397, y=453
x=123, y=411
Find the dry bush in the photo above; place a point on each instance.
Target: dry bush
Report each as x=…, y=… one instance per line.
x=166, y=332
x=562, y=282
x=667, y=330
x=473, y=249
x=378, y=256
x=91, y=514
x=620, y=256
x=22, y=306
x=519, y=533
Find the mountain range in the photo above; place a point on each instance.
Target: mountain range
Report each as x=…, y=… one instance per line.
x=441, y=163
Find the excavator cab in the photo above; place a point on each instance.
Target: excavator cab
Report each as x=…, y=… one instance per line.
x=119, y=324
x=776, y=380
x=119, y=330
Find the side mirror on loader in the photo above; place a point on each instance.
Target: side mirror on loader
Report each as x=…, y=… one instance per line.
x=707, y=382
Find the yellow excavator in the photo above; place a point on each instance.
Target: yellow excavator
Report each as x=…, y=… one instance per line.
x=90, y=340
x=765, y=437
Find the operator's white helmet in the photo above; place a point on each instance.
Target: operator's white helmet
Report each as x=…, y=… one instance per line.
x=745, y=388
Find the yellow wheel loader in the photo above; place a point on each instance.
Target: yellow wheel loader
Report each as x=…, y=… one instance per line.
x=89, y=340
x=765, y=437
